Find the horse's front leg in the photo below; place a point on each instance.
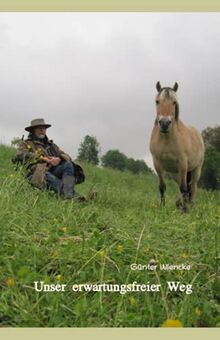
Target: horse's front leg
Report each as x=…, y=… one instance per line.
x=184, y=189
x=162, y=185
x=162, y=189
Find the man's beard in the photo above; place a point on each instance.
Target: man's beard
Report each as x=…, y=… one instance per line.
x=41, y=138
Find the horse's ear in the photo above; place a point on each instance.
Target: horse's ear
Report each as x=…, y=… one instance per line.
x=175, y=87
x=158, y=86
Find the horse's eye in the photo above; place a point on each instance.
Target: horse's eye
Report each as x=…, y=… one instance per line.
x=157, y=102
x=174, y=103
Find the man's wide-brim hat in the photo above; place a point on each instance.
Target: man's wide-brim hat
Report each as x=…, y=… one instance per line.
x=37, y=122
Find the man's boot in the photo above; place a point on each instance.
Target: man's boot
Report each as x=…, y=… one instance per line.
x=68, y=184
x=68, y=189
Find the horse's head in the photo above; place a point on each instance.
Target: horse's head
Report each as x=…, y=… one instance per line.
x=167, y=107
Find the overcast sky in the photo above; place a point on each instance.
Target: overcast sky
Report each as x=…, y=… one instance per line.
x=95, y=73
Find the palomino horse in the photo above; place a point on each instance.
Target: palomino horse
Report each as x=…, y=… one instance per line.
x=175, y=147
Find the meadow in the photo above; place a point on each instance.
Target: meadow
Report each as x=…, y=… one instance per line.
x=44, y=238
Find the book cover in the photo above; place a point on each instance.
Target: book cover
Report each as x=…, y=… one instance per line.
x=141, y=251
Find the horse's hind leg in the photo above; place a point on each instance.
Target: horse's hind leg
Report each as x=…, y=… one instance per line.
x=189, y=185
x=195, y=175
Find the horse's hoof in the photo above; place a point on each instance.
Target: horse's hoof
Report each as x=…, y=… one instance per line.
x=191, y=202
x=179, y=203
x=162, y=204
x=185, y=209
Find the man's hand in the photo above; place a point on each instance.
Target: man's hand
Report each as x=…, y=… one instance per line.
x=52, y=160
x=55, y=161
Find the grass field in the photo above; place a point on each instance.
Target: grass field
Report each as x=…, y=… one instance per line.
x=44, y=238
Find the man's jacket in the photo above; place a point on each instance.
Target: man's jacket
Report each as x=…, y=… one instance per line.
x=31, y=152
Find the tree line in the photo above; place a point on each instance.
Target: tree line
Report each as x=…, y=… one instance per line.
x=89, y=150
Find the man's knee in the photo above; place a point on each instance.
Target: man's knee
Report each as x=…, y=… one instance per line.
x=68, y=168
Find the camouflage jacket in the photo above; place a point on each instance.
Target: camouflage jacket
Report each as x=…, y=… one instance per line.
x=31, y=152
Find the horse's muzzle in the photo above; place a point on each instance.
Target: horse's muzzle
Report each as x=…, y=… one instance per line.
x=164, y=125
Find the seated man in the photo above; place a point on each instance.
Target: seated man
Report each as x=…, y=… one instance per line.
x=47, y=166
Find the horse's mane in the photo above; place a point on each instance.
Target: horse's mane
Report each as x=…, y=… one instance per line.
x=176, y=111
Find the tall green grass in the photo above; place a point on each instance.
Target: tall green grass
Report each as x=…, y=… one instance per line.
x=44, y=238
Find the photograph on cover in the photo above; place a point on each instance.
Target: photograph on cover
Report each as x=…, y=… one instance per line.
x=110, y=167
